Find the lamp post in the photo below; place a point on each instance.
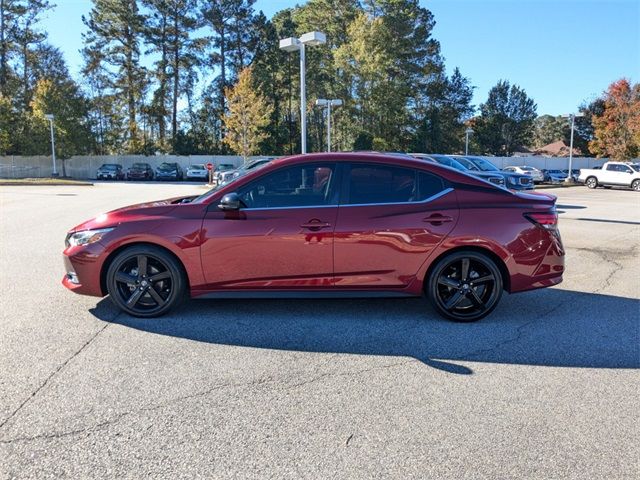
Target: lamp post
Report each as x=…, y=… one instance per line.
x=572, y=117
x=323, y=102
x=467, y=132
x=50, y=117
x=293, y=44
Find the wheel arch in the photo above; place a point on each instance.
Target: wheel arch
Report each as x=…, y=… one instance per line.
x=109, y=260
x=500, y=263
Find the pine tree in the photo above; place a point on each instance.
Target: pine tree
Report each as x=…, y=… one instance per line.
x=113, y=49
x=506, y=120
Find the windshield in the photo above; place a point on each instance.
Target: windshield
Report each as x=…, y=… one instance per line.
x=197, y=167
x=109, y=166
x=139, y=165
x=225, y=166
x=484, y=165
x=466, y=163
x=527, y=169
x=165, y=167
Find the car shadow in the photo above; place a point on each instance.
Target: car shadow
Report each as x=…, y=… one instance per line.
x=552, y=327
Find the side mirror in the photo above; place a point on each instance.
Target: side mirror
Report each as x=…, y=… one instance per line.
x=231, y=201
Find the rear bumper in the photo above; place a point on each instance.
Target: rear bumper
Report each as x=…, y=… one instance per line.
x=539, y=269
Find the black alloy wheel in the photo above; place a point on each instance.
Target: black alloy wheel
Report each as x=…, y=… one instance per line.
x=145, y=281
x=465, y=286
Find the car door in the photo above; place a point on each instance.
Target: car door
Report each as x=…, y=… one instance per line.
x=282, y=236
x=389, y=221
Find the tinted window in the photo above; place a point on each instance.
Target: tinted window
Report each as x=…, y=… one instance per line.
x=371, y=184
x=428, y=185
x=299, y=186
x=618, y=168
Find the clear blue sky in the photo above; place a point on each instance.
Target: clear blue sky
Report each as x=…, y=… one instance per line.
x=560, y=51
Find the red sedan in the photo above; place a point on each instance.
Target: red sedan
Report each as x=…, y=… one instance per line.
x=325, y=225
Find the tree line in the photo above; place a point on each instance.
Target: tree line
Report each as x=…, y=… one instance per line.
x=208, y=77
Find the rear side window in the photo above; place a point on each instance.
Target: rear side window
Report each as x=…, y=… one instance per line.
x=377, y=184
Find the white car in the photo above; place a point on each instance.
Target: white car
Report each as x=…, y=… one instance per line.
x=612, y=174
x=537, y=175
x=198, y=172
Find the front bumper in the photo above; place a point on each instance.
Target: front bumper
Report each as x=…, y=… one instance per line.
x=82, y=269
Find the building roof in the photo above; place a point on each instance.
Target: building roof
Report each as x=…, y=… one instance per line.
x=556, y=149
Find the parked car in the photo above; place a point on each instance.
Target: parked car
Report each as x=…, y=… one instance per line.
x=220, y=171
x=197, y=172
x=110, y=171
x=228, y=175
x=320, y=225
x=455, y=164
x=554, y=176
x=533, y=172
x=612, y=174
x=140, y=171
x=575, y=173
x=513, y=181
x=169, y=171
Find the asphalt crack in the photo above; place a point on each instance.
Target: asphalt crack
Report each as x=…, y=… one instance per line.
x=53, y=374
x=519, y=333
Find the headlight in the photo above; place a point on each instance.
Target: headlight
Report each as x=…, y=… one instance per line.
x=85, y=237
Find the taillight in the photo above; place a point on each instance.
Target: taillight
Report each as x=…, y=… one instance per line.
x=546, y=220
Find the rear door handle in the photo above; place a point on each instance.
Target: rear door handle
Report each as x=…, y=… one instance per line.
x=315, y=225
x=437, y=219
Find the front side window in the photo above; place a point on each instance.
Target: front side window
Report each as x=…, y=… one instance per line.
x=299, y=186
x=379, y=184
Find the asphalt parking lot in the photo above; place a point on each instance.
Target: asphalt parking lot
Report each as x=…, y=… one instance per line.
x=546, y=387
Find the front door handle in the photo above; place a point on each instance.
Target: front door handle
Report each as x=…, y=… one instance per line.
x=437, y=219
x=315, y=225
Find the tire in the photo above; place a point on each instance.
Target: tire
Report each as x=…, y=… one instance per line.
x=591, y=182
x=464, y=296
x=160, y=288
x=636, y=185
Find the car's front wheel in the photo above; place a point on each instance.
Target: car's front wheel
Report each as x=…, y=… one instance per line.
x=464, y=286
x=145, y=281
x=636, y=185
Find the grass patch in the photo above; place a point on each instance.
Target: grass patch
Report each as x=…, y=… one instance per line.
x=43, y=181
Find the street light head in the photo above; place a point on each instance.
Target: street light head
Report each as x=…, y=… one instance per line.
x=313, y=38
x=49, y=116
x=290, y=44
x=336, y=102
x=469, y=130
x=322, y=102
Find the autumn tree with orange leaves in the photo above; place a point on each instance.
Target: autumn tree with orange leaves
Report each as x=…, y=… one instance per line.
x=617, y=131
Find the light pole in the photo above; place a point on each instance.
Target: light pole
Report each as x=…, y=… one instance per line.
x=292, y=44
x=467, y=132
x=571, y=116
x=323, y=102
x=50, y=117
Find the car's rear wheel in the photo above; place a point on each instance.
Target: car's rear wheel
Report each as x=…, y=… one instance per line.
x=145, y=281
x=465, y=286
x=636, y=185
x=592, y=182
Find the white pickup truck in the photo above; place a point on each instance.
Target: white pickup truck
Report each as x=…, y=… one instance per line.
x=612, y=174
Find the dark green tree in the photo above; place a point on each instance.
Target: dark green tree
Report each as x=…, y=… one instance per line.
x=506, y=120
x=112, y=48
